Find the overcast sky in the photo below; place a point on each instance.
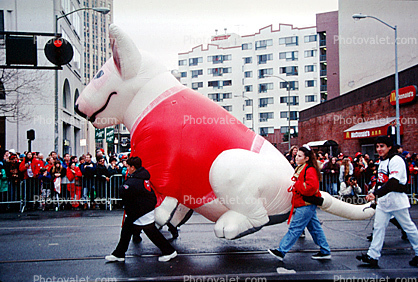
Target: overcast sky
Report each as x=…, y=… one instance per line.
x=168, y=27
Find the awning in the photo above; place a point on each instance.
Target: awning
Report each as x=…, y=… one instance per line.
x=371, y=128
x=325, y=143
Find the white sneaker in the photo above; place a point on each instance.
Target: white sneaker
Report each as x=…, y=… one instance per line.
x=167, y=257
x=113, y=258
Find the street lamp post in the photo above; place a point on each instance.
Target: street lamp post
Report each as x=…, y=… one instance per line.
x=101, y=10
x=252, y=109
x=288, y=101
x=398, y=131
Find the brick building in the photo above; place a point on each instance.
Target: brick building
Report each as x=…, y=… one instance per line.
x=365, y=111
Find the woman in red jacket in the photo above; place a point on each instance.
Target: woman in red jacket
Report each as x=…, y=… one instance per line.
x=74, y=187
x=306, y=188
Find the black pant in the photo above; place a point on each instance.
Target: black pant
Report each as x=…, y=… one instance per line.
x=150, y=230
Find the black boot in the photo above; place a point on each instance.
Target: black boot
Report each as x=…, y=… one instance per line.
x=173, y=230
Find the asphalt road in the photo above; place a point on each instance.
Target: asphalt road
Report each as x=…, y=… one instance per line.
x=71, y=245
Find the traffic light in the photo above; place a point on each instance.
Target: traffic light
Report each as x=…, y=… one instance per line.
x=30, y=134
x=58, y=51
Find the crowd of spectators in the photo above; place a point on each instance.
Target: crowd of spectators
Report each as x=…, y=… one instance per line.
x=349, y=176
x=45, y=182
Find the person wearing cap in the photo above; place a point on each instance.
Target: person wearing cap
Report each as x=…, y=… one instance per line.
x=139, y=201
x=390, y=196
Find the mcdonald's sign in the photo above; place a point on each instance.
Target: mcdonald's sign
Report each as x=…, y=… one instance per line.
x=406, y=95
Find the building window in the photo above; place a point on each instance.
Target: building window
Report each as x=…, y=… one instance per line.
x=196, y=73
x=262, y=44
x=218, y=59
x=264, y=102
x=262, y=88
x=247, y=46
x=182, y=62
x=216, y=97
x=196, y=85
x=294, y=115
x=219, y=71
x=1, y=23
x=249, y=103
x=263, y=72
x=266, y=116
x=294, y=100
x=310, y=38
x=292, y=70
x=294, y=85
x=289, y=56
x=227, y=95
x=262, y=59
x=248, y=74
x=66, y=98
x=310, y=68
x=227, y=82
x=195, y=61
x=228, y=108
x=285, y=129
x=183, y=74
x=310, y=98
x=248, y=88
x=2, y=91
x=266, y=130
x=289, y=41
x=248, y=60
x=249, y=116
x=310, y=53
x=310, y=83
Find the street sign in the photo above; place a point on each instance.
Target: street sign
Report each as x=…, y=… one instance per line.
x=99, y=134
x=110, y=134
x=21, y=50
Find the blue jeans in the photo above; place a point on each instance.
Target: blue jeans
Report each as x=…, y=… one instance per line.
x=332, y=188
x=304, y=217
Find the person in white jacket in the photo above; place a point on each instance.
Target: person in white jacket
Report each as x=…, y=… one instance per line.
x=392, y=200
x=349, y=187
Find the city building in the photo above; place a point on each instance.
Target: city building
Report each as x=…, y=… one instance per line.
x=97, y=50
x=365, y=107
x=35, y=106
x=248, y=76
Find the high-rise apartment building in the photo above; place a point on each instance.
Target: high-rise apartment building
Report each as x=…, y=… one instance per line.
x=96, y=51
x=248, y=75
x=96, y=37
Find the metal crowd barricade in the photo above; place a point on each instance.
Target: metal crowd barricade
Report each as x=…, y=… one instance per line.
x=29, y=191
x=328, y=180
x=116, y=181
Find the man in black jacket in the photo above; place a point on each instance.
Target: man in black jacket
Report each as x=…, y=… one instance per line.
x=139, y=201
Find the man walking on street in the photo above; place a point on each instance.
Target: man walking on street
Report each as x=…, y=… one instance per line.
x=390, y=196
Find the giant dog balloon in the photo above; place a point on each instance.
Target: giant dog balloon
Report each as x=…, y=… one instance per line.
x=200, y=157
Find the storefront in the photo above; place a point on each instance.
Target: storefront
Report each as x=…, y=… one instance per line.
x=355, y=119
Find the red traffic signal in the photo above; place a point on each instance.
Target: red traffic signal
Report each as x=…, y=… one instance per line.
x=58, y=51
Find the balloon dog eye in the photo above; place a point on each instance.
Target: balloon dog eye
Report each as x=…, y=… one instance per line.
x=99, y=74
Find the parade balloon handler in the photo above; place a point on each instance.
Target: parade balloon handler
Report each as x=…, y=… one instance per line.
x=390, y=196
x=306, y=198
x=139, y=201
